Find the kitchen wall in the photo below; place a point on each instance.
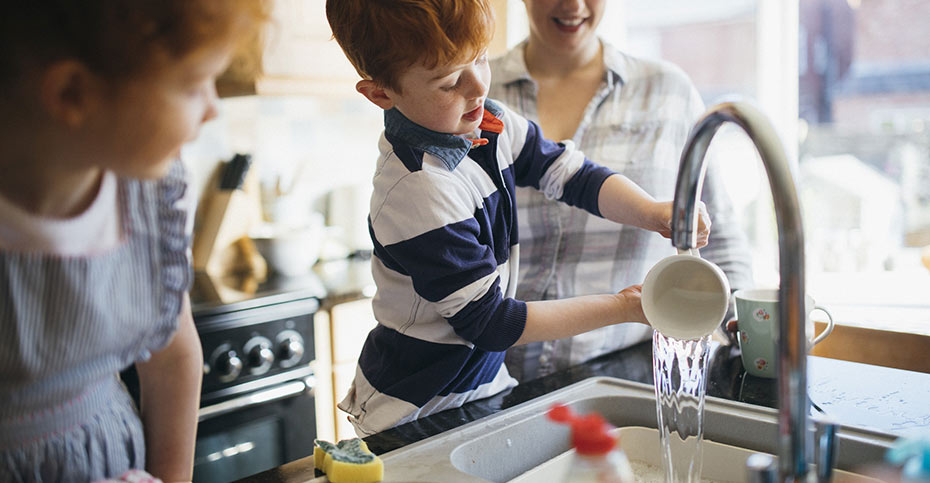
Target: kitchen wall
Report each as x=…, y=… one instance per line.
x=310, y=134
x=305, y=150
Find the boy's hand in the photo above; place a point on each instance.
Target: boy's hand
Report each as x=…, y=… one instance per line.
x=665, y=227
x=703, y=231
x=631, y=299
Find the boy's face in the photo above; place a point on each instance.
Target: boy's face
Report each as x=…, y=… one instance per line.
x=447, y=99
x=144, y=124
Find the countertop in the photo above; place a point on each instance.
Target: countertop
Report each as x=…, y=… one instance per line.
x=850, y=393
x=331, y=282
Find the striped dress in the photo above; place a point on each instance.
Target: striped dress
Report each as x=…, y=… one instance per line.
x=444, y=229
x=69, y=324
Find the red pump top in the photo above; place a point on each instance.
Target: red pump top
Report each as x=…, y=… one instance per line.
x=589, y=431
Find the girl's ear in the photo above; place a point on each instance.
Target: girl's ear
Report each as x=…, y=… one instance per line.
x=69, y=91
x=374, y=93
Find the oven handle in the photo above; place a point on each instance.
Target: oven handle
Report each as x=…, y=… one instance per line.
x=277, y=393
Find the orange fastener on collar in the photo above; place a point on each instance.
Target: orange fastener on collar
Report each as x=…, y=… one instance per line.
x=490, y=122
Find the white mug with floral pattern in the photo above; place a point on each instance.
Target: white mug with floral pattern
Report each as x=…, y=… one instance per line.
x=757, y=313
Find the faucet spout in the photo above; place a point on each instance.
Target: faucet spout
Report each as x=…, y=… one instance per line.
x=793, y=404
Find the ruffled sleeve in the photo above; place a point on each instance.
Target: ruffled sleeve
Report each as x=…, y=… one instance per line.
x=173, y=212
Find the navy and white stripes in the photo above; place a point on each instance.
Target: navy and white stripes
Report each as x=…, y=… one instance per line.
x=443, y=225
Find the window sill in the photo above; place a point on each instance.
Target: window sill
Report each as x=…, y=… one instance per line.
x=908, y=319
x=881, y=347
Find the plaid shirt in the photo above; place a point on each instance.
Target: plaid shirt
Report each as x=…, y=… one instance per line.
x=636, y=124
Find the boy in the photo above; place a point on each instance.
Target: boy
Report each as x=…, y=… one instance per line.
x=442, y=214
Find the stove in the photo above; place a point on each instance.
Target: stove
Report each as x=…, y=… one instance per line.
x=257, y=406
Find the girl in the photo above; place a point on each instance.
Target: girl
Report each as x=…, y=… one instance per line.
x=96, y=98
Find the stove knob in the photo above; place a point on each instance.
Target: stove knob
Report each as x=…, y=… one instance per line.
x=228, y=365
x=259, y=354
x=290, y=348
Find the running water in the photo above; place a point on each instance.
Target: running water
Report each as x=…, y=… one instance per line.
x=679, y=368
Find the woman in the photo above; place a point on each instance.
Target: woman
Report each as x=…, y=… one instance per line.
x=632, y=115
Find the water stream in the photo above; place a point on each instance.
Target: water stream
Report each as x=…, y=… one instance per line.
x=679, y=372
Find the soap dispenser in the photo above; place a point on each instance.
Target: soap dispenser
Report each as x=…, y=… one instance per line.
x=598, y=457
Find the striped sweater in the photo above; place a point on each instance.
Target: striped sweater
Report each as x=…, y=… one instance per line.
x=444, y=229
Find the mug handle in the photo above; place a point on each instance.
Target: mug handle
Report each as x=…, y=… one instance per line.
x=826, y=331
x=691, y=251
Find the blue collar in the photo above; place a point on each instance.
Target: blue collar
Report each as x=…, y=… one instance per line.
x=449, y=148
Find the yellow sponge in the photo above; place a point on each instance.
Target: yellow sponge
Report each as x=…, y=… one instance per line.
x=348, y=461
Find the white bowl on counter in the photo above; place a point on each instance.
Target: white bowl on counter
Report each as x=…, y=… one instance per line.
x=289, y=250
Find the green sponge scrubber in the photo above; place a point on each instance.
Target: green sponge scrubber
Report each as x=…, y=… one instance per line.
x=347, y=461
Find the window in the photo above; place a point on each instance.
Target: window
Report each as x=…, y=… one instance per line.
x=864, y=105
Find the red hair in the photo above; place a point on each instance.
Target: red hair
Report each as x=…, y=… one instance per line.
x=382, y=38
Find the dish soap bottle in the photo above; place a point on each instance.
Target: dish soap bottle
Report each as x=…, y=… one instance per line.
x=598, y=457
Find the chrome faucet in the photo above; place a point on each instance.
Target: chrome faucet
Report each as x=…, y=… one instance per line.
x=794, y=439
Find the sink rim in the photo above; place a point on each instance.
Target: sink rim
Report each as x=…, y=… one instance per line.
x=437, y=451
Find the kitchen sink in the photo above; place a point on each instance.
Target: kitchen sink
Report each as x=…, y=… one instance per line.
x=722, y=462
x=521, y=444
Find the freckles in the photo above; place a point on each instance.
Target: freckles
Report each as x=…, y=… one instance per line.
x=439, y=105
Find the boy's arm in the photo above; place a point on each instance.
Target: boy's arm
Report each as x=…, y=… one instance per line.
x=170, y=387
x=557, y=319
x=562, y=172
x=623, y=201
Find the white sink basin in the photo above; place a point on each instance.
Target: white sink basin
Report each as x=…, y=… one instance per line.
x=722, y=462
x=520, y=444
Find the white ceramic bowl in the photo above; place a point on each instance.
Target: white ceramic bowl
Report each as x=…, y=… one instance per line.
x=289, y=250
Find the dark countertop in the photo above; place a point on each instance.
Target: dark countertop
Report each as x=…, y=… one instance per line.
x=889, y=400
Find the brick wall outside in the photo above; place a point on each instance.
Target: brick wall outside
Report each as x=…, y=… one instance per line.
x=719, y=56
x=892, y=30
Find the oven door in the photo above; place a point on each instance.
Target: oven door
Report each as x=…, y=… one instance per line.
x=255, y=432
